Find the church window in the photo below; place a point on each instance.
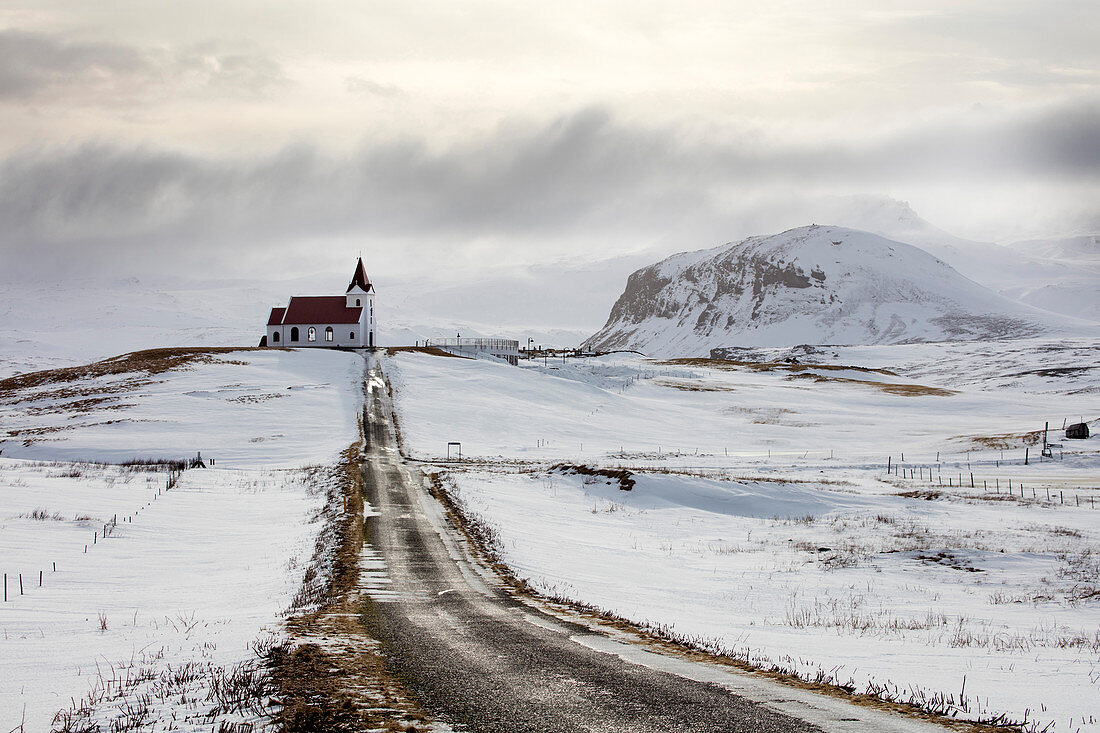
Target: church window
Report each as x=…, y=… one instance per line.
x=311, y=335
x=352, y=335
x=328, y=334
x=357, y=302
x=275, y=337
x=294, y=334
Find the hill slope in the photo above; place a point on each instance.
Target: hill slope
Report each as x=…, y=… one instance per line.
x=1059, y=275
x=811, y=285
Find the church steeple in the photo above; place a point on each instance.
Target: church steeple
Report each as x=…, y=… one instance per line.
x=360, y=279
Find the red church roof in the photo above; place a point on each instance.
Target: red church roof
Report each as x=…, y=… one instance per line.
x=276, y=316
x=318, y=310
x=360, y=278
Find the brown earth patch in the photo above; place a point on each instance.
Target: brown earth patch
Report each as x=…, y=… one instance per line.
x=1004, y=441
x=432, y=350
x=149, y=362
x=623, y=477
x=693, y=386
x=906, y=390
x=769, y=366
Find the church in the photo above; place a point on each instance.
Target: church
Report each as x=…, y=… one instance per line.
x=327, y=321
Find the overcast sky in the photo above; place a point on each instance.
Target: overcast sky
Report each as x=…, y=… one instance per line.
x=441, y=138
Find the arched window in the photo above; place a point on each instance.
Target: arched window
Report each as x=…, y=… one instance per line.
x=294, y=334
x=357, y=302
x=371, y=339
x=311, y=335
x=328, y=334
x=275, y=337
x=352, y=335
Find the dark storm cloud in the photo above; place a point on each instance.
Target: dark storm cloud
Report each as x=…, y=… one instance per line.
x=43, y=68
x=582, y=173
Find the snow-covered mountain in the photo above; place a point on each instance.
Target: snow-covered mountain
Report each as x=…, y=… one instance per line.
x=811, y=285
x=1059, y=275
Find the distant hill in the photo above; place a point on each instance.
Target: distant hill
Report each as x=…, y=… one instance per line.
x=811, y=285
x=1059, y=275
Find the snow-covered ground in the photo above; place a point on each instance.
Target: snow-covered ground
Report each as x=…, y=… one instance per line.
x=242, y=408
x=763, y=522
x=917, y=399
x=188, y=584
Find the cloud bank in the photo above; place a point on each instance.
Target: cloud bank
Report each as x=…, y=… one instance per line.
x=581, y=180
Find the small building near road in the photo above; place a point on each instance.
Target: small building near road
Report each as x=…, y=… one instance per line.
x=327, y=321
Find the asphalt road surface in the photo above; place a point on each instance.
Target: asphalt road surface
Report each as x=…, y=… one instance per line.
x=478, y=660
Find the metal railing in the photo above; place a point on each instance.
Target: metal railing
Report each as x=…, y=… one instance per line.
x=479, y=344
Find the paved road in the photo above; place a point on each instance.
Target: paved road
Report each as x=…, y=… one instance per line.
x=481, y=661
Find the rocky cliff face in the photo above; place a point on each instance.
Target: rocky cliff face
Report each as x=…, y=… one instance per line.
x=812, y=285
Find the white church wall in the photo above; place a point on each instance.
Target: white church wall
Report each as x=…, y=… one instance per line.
x=344, y=335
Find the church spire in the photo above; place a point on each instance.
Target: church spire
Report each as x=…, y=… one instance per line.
x=360, y=278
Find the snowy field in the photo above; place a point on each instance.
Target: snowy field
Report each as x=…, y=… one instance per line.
x=242, y=408
x=920, y=400
x=763, y=523
x=152, y=604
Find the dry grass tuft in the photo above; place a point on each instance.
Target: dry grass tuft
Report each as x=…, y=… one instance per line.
x=42, y=515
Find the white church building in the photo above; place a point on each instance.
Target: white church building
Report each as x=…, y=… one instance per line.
x=327, y=321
